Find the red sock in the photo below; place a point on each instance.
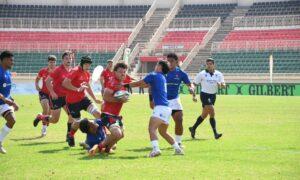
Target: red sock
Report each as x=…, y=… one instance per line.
x=72, y=133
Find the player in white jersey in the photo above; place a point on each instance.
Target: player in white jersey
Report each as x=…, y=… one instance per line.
x=210, y=80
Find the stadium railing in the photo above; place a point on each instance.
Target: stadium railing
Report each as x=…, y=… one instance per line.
x=190, y=23
x=135, y=32
x=133, y=54
x=59, y=23
x=274, y=45
x=163, y=26
x=119, y=53
x=266, y=21
x=150, y=12
x=193, y=53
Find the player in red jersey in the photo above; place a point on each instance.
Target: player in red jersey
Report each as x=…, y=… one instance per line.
x=106, y=74
x=57, y=93
x=77, y=85
x=112, y=106
x=44, y=92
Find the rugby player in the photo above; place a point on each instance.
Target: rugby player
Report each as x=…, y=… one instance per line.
x=210, y=80
x=106, y=74
x=44, y=94
x=7, y=104
x=57, y=94
x=162, y=112
x=77, y=83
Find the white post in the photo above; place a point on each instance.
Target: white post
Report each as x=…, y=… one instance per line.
x=271, y=68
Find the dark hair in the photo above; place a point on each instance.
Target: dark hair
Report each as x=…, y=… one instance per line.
x=120, y=65
x=84, y=125
x=66, y=53
x=164, y=66
x=210, y=60
x=172, y=56
x=86, y=60
x=51, y=58
x=6, y=54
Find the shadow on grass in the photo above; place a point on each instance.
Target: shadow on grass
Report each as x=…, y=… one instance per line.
x=110, y=156
x=147, y=149
x=51, y=151
x=41, y=143
x=27, y=139
x=196, y=139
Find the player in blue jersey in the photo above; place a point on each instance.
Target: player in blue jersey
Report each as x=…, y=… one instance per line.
x=96, y=139
x=174, y=78
x=7, y=104
x=161, y=112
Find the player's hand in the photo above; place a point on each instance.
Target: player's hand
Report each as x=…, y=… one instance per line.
x=82, y=88
x=38, y=88
x=93, y=151
x=54, y=95
x=98, y=101
x=124, y=99
x=9, y=102
x=16, y=107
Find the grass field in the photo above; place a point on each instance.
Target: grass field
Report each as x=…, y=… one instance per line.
x=261, y=140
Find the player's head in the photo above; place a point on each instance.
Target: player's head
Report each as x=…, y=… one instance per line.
x=87, y=126
x=51, y=61
x=109, y=64
x=210, y=64
x=172, y=58
x=7, y=59
x=86, y=62
x=120, y=71
x=162, y=66
x=66, y=58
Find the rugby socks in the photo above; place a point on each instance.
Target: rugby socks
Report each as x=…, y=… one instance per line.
x=4, y=132
x=178, y=139
x=198, y=122
x=155, y=145
x=69, y=127
x=72, y=132
x=213, y=125
x=176, y=146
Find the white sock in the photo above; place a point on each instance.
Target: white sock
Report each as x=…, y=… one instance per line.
x=44, y=127
x=155, y=145
x=175, y=146
x=178, y=138
x=4, y=132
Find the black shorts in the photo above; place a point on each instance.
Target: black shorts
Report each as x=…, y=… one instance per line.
x=207, y=99
x=58, y=103
x=109, y=120
x=150, y=98
x=43, y=96
x=75, y=108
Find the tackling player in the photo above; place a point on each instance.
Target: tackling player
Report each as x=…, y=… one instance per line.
x=162, y=112
x=7, y=104
x=43, y=92
x=57, y=94
x=210, y=79
x=77, y=83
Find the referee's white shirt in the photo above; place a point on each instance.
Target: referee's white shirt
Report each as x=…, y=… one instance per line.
x=209, y=82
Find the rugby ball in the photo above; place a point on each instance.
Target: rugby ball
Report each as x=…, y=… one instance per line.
x=120, y=94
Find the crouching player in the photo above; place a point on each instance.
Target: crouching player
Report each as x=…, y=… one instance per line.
x=162, y=112
x=96, y=139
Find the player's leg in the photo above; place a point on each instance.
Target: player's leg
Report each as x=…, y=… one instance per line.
x=73, y=112
x=177, y=116
x=212, y=121
x=154, y=123
x=163, y=127
x=9, y=116
x=46, y=111
x=116, y=133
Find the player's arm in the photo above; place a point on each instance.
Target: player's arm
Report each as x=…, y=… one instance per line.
x=94, y=150
x=91, y=93
x=221, y=83
x=50, y=87
x=36, y=82
x=140, y=83
x=68, y=85
x=10, y=102
x=102, y=81
x=108, y=96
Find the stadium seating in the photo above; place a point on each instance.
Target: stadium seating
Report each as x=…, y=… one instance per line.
x=209, y=10
x=275, y=8
x=181, y=39
x=50, y=11
x=258, y=62
x=32, y=62
x=39, y=40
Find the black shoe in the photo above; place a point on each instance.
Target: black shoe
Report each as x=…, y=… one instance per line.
x=217, y=136
x=192, y=132
x=37, y=119
x=71, y=141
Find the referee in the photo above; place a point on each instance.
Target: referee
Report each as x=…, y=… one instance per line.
x=210, y=80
